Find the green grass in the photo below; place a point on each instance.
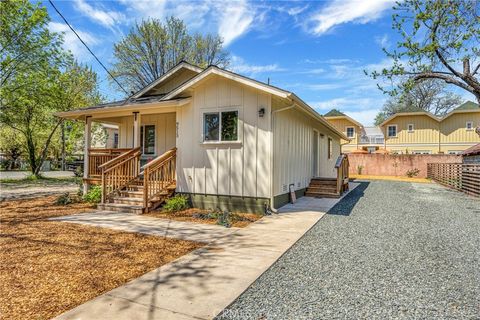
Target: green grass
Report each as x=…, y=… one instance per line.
x=36, y=181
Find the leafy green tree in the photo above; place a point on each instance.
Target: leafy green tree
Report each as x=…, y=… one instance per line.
x=440, y=40
x=38, y=79
x=151, y=48
x=429, y=95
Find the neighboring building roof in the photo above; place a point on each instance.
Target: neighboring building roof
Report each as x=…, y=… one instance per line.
x=472, y=151
x=334, y=113
x=409, y=113
x=469, y=105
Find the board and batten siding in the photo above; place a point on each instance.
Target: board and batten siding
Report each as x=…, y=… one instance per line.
x=164, y=123
x=293, y=149
x=232, y=168
x=454, y=128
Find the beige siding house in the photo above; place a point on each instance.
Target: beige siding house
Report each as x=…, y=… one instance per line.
x=224, y=140
x=424, y=133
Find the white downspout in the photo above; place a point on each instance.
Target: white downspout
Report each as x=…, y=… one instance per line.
x=273, y=112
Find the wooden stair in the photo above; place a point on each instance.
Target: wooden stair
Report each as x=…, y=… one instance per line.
x=323, y=188
x=130, y=198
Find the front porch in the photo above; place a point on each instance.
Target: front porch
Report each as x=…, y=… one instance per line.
x=140, y=173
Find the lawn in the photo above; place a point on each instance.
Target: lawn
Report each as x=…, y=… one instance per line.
x=49, y=267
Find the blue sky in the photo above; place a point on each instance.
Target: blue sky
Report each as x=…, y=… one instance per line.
x=316, y=49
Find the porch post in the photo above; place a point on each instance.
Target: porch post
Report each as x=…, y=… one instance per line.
x=87, y=145
x=136, y=129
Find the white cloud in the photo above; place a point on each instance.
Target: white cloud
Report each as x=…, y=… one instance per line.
x=239, y=65
x=71, y=42
x=324, y=86
x=365, y=117
x=235, y=19
x=383, y=41
x=343, y=11
x=106, y=18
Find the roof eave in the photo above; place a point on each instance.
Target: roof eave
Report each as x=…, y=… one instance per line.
x=76, y=114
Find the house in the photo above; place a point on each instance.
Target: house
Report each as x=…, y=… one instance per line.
x=105, y=136
x=368, y=139
x=224, y=140
x=472, y=154
x=424, y=133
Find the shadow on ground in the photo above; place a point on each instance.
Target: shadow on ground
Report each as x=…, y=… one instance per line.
x=346, y=205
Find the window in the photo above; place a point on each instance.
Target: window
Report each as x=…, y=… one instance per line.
x=454, y=151
x=115, y=140
x=350, y=132
x=392, y=131
x=469, y=125
x=147, y=139
x=220, y=126
x=411, y=128
x=330, y=148
x=421, y=152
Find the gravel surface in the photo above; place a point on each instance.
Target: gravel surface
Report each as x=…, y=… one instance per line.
x=388, y=250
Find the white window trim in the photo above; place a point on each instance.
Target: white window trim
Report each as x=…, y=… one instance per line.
x=472, y=126
x=346, y=131
x=219, y=111
x=413, y=127
x=396, y=131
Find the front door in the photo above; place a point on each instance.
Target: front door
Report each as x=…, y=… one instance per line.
x=315, y=154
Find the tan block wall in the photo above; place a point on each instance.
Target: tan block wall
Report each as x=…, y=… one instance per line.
x=396, y=165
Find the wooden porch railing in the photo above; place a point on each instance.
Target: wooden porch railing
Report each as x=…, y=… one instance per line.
x=460, y=176
x=118, y=172
x=342, y=173
x=158, y=174
x=97, y=157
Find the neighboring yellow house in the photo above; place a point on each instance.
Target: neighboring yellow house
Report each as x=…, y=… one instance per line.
x=424, y=133
x=368, y=139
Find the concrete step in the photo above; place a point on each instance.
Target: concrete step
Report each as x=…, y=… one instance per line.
x=132, y=193
x=118, y=207
x=126, y=200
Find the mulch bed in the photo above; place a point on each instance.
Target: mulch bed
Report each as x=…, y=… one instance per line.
x=193, y=215
x=49, y=267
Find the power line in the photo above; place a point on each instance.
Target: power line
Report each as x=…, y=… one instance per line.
x=93, y=54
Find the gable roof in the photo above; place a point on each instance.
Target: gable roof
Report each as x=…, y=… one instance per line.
x=409, y=113
x=172, y=97
x=214, y=70
x=181, y=65
x=469, y=105
x=334, y=113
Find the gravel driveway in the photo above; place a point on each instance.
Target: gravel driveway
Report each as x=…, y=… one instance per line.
x=388, y=250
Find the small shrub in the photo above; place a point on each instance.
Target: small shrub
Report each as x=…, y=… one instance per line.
x=359, y=169
x=94, y=195
x=78, y=172
x=224, y=219
x=66, y=198
x=177, y=203
x=412, y=173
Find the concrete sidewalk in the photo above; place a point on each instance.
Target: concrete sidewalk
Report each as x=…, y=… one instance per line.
x=201, y=284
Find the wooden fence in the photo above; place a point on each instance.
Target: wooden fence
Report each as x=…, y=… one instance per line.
x=460, y=176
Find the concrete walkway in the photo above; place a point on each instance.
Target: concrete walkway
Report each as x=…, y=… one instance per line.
x=201, y=284
x=19, y=175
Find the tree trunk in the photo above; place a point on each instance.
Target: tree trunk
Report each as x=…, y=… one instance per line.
x=45, y=148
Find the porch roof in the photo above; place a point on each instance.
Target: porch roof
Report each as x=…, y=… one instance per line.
x=127, y=105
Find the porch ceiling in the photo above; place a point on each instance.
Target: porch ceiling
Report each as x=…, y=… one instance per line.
x=122, y=108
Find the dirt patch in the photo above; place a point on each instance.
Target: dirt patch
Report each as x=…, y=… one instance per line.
x=390, y=178
x=50, y=267
x=238, y=219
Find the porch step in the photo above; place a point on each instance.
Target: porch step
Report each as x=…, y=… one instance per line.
x=322, y=195
x=132, y=194
x=130, y=201
x=118, y=207
x=322, y=188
